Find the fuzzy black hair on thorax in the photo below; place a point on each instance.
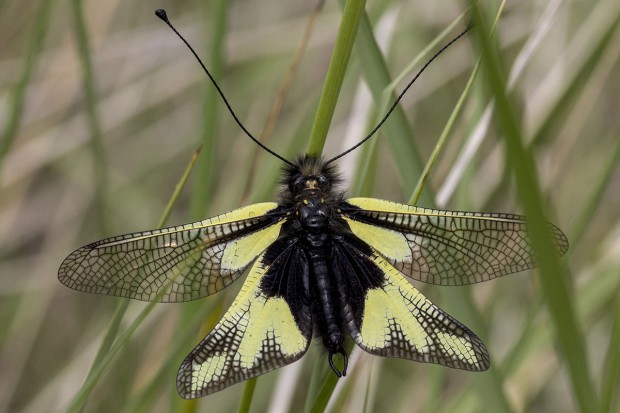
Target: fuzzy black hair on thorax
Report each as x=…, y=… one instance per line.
x=309, y=166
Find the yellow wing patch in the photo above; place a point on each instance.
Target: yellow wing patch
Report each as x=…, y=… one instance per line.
x=383, y=310
x=398, y=321
x=240, y=252
x=392, y=244
x=375, y=204
x=256, y=335
x=268, y=319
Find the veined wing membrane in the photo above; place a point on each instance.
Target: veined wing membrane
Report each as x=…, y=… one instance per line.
x=393, y=319
x=174, y=264
x=445, y=247
x=261, y=331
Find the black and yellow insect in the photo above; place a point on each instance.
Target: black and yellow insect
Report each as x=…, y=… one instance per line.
x=320, y=264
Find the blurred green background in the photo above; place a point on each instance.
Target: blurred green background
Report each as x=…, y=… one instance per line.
x=102, y=107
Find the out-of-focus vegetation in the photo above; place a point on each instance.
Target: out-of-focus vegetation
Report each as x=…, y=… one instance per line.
x=102, y=108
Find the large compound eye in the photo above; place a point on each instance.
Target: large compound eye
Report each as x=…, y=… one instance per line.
x=297, y=185
x=323, y=181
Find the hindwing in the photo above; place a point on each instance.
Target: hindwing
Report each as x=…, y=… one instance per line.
x=174, y=264
x=268, y=326
x=388, y=317
x=445, y=247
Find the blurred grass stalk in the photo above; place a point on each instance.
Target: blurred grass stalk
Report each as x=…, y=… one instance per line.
x=16, y=107
x=206, y=170
x=90, y=91
x=554, y=280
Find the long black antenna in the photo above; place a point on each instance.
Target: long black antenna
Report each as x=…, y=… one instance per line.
x=161, y=13
x=400, y=96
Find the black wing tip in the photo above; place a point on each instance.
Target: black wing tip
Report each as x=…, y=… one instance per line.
x=483, y=359
x=184, y=382
x=482, y=354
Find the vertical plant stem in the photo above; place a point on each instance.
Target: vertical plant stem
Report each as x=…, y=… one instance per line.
x=488, y=384
x=553, y=279
x=398, y=131
x=351, y=17
x=16, y=105
x=443, y=138
x=246, y=398
x=90, y=90
x=611, y=372
x=206, y=167
x=594, y=200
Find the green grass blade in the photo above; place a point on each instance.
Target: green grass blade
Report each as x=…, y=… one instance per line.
x=488, y=384
x=179, y=187
x=96, y=373
x=94, y=125
x=447, y=130
x=16, y=106
x=363, y=181
x=246, y=398
x=144, y=400
x=553, y=278
x=594, y=200
x=585, y=217
x=578, y=82
x=320, y=402
x=314, y=387
x=206, y=169
x=611, y=374
x=400, y=137
x=427, y=51
x=568, y=96
x=351, y=18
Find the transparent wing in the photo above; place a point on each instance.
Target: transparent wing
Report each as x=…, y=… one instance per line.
x=259, y=332
x=175, y=264
x=445, y=247
x=393, y=319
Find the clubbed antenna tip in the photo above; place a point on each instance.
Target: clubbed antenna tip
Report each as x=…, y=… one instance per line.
x=161, y=13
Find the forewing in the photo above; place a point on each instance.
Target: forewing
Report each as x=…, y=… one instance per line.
x=175, y=264
x=445, y=247
x=259, y=332
x=390, y=318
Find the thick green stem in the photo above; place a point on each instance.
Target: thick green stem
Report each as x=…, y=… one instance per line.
x=351, y=18
x=553, y=278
